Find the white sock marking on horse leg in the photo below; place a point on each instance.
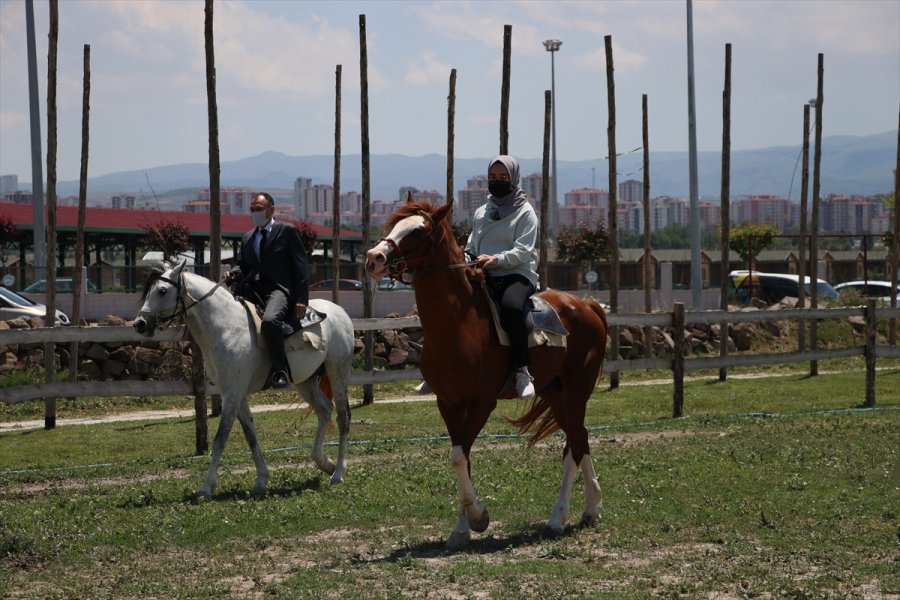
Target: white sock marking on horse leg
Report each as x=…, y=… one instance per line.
x=471, y=507
x=560, y=514
x=593, y=495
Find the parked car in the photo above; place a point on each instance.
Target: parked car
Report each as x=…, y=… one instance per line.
x=387, y=283
x=64, y=285
x=773, y=287
x=879, y=290
x=13, y=306
x=343, y=284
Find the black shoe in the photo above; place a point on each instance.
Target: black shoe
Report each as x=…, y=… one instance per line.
x=280, y=380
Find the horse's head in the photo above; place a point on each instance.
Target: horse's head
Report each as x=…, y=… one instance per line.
x=415, y=231
x=161, y=299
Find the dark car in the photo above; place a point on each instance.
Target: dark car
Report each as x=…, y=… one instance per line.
x=387, y=284
x=343, y=284
x=64, y=285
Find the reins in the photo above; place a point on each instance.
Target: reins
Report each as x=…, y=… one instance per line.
x=180, y=307
x=401, y=264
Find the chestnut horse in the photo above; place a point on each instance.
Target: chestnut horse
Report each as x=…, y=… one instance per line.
x=468, y=369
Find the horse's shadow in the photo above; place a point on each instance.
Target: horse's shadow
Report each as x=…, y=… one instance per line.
x=490, y=544
x=292, y=488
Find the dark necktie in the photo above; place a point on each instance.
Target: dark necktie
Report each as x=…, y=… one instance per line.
x=262, y=242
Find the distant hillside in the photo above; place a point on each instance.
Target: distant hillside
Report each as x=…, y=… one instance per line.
x=850, y=165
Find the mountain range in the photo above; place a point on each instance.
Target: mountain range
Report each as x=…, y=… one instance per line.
x=861, y=165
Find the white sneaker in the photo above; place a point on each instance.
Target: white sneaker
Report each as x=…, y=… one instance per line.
x=423, y=388
x=524, y=387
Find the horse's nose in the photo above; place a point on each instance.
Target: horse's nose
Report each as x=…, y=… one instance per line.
x=374, y=261
x=140, y=325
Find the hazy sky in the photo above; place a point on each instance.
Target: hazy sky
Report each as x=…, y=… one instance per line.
x=275, y=65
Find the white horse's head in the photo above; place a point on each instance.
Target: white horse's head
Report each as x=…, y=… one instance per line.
x=162, y=298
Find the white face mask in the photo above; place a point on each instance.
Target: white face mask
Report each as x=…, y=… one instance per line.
x=259, y=218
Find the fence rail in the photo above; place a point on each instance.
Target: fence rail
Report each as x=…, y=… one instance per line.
x=677, y=320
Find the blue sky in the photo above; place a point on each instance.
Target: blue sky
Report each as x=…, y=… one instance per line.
x=276, y=69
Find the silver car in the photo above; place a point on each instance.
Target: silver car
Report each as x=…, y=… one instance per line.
x=13, y=306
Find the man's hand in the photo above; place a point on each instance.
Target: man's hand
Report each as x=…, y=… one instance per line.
x=229, y=276
x=301, y=310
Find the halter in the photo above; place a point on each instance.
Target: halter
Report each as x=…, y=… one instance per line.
x=401, y=264
x=181, y=308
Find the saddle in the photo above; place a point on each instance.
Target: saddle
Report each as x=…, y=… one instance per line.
x=309, y=325
x=541, y=321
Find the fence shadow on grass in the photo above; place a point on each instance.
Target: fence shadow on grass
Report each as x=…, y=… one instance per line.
x=291, y=488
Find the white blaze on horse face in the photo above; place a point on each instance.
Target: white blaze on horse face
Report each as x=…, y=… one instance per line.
x=377, y=257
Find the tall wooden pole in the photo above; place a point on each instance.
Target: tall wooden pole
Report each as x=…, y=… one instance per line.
x=215, y=232
x=696, y=276
x=804, y=215
x=369, y=336
x=543, y=267
x=50, y=319
x=336, y=205
x=613, y=207
x=895, y=250
x=648, y=263
x=451, y=124
x=78, y=276
x=37, y=177
x=817, y=164
x=504, y=90
x=725, y=205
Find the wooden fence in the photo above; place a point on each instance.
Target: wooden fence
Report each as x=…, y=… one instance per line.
x=677, y=320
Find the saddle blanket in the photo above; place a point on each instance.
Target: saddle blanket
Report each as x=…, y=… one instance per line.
x=544, y=325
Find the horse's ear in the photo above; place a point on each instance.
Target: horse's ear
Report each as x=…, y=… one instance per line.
x=442, y=212
x=179, y=267
x=409, y=197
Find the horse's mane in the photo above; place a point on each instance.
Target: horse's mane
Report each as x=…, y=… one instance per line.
x=154, y=275
x=408, y=210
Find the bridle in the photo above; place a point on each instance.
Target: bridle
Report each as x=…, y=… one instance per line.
x=181, y=308
x=403, y=264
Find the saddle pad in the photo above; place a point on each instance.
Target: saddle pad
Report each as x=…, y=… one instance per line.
x=554, y=337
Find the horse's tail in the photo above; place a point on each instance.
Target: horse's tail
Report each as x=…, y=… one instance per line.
x=325, y=386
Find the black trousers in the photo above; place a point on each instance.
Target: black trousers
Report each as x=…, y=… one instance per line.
x=511, y=293
x=273, y=324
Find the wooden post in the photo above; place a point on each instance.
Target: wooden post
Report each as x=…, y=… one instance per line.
x=50, y=318
x=369, y=336
x=215, y=203
x=543, y=243
x=613, y=227
x=648, y=261
x=817, y=164
x=78, y=276
x=724, y=206
x=504, y=90
x=451, y=124
x=871, y=322
x=804, y=188
x=895, y=249
x=678, y=361
x=198, y=383
x=336, y=205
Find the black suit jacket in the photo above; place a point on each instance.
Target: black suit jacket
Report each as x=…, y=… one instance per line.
x=283, y=262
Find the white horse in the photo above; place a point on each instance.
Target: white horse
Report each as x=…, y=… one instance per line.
x=227, y=336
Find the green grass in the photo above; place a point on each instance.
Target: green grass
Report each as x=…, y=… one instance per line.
x=801, y=503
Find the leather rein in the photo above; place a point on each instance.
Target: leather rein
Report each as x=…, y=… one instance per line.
x=181, y=308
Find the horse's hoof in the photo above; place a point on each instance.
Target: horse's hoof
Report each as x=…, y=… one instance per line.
x=457, y=541
x=259, y=491
x=201, y=496
x=328, y=467
x=336, y=479
x=589, y=519
x=481, y=523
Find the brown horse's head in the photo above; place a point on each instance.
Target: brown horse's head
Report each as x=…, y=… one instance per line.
x=416, y=231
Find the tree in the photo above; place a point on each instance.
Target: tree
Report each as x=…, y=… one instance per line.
x=307, y=234
x=169, y=237
x=583, y=245
x=749, y=240
x=8, y=234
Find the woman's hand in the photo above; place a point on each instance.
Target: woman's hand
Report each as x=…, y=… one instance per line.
x=485, y=260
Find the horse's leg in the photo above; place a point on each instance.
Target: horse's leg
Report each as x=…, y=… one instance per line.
x=472, y=515
x=310, y=391
x=593, y=496
x=262, y=471
x=577, y=454
x=339, y=382
x=226, y=420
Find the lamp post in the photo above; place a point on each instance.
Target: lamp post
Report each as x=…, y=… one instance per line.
x=552, y=46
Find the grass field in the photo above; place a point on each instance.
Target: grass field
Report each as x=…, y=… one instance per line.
x=769, y=488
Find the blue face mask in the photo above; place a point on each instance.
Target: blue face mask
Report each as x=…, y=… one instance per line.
x=259, y=218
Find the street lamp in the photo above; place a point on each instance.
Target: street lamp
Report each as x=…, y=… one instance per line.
x=552, y=46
